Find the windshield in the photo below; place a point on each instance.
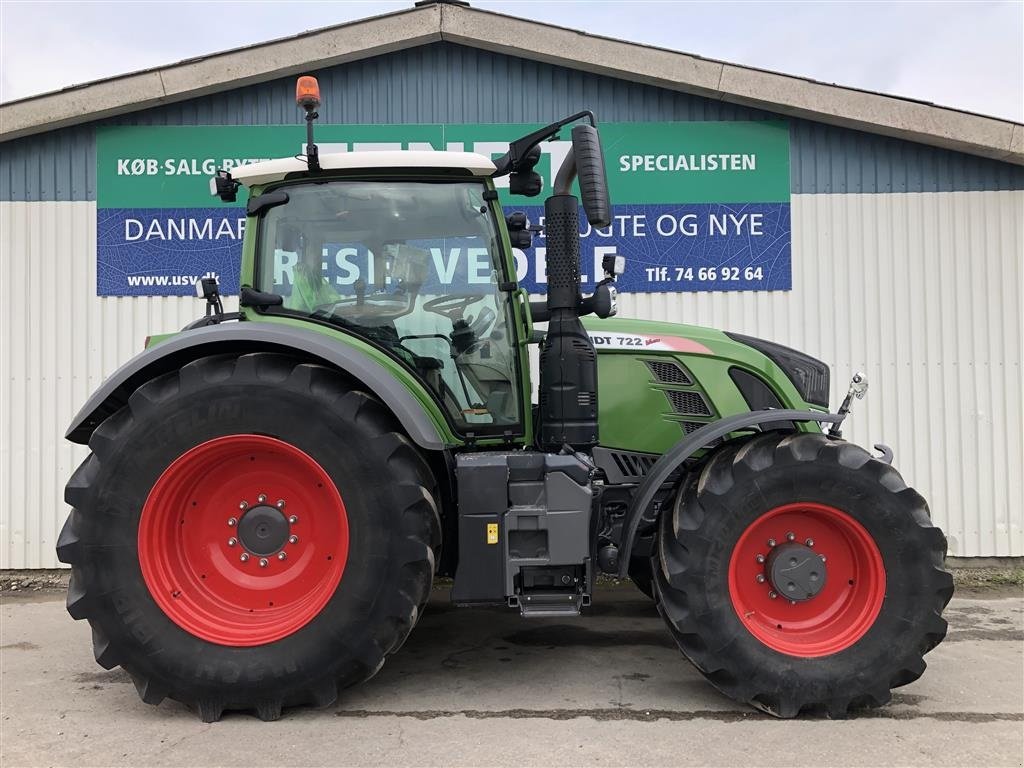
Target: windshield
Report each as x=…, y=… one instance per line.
x=413, y=267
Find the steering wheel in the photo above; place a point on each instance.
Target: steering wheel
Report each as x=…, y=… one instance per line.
x=452, y=307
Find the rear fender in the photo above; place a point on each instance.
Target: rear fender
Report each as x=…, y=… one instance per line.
x=242, y=338
x=672, y=459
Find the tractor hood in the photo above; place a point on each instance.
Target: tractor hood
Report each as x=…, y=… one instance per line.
x=799, y=380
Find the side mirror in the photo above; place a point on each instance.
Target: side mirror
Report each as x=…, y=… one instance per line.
x=590, y=171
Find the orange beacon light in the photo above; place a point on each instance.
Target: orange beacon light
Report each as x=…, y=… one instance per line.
x=307, y=96
x=307, y=92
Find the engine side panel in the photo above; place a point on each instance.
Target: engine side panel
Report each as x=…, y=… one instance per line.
x=660, y=382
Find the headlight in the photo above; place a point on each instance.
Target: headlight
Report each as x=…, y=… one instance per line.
x=809, y=376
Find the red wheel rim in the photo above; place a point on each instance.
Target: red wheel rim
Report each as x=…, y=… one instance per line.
x=211, y=570
x=844, y=609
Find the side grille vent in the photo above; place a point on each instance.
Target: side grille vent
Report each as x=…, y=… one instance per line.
x=669, y=373
x=585, y=398
x=688, y=403
x=690, y=427
x=633, y=464
x=623, y=466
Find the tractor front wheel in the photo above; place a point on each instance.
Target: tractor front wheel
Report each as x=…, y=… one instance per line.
x=797, y=572
x=249, y=532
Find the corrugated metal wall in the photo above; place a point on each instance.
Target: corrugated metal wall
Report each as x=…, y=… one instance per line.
x=59, y=342
x=449, y=83
x=921, y=291
x=907, y=261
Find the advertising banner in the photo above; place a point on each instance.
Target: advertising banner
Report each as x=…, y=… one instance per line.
x=696, y=206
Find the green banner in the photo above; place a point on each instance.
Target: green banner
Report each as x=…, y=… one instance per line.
x=170, y=166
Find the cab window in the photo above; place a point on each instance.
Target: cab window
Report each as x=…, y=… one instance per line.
x=413, y=267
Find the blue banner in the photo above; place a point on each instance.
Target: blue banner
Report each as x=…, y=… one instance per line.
x=691, y=247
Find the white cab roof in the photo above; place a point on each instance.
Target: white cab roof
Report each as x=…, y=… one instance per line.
x=255, y=174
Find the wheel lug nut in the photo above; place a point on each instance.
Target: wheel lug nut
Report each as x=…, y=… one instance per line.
x=282, y=555
x=243, y=505
x=280, y=503
x=263, y=562
x=293, y=539
x=773, y=595
x=244, y=557
x=822, y=558
x=232, y=522
x=293, y=519
x=760, y=578
x=809, y=542
x=760, y=558
x=232, y=541
x=790, y=536
x=261, y=498
x=771, y=542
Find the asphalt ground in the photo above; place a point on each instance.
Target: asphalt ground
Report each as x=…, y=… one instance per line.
x=486, y=687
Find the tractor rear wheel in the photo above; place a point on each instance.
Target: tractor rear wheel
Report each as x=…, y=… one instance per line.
x=799, y=573
x=249, y=532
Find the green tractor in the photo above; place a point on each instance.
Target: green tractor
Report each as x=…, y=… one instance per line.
x=271, y=493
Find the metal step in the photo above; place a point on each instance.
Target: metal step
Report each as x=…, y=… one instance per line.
x=539, y=604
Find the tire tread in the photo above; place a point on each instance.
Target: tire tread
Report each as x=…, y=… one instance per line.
x=419, y=519
x=683, y=543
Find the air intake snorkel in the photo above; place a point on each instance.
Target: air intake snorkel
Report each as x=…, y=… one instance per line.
x=568, y=362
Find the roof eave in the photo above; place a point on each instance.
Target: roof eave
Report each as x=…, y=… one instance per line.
x=794, y=96
x=220, y=72
x=774, y=92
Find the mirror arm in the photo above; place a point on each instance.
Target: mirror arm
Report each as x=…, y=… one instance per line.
x=519, y=148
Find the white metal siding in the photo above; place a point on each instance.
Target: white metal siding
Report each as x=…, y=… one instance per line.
x=59, y=341
x=922, y=290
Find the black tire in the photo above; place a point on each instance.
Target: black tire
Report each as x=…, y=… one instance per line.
x=393, y=528
x=726, y=494
x=641, y=575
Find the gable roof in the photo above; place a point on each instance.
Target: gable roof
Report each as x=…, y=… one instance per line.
x=861, y=110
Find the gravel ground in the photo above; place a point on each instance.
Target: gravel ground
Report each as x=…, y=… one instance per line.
x=486, y=687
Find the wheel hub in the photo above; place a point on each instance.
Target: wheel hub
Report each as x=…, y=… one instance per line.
x=263, y=530
x=796, y=571
x=779, y=587
x=243, y=540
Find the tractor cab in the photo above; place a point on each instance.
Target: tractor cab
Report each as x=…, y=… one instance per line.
x=411, y=261
x=410, y=251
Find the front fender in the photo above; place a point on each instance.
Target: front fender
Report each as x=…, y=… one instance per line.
x=246, y=337
x=670, y=461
